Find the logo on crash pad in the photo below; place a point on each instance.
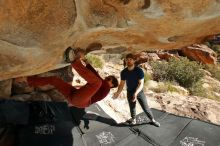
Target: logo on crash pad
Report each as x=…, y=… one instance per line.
x=45, y=129
x=141, y=119
x=105, y=137
x=191, y=141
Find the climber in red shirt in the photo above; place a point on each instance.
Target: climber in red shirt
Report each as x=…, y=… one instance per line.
x=95, y=90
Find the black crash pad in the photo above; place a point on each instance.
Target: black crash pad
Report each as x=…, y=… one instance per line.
x=55, y=124
x=50, y=124
x=14, y=112
x=92, y=118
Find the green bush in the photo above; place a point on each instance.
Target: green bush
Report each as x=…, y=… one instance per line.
x=147, y=77
x=183, y=71
x=198, y=90
x=165, y=87
x=160, y=70
x=216, y=48
x=95, y=61
x=214, y=70
x=170, y=87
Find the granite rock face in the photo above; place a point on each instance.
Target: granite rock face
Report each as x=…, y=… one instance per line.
x=35, y=33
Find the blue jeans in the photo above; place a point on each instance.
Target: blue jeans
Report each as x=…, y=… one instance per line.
x=141, y=98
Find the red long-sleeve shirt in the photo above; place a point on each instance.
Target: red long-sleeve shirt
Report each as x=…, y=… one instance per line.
x=82, y=99
x=101, y=93
x=103, y=90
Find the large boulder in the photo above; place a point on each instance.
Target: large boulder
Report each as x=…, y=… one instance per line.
x=200, y=53
x=35, y=33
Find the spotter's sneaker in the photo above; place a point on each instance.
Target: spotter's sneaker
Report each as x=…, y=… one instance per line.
x=155, y=123
x=132, y=121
